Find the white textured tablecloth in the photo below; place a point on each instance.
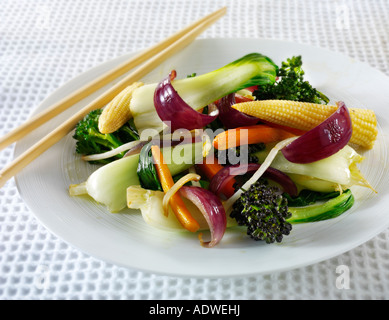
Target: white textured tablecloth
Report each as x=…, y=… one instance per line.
x=43, y=44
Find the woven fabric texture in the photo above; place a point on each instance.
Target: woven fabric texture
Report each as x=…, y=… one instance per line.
x=43, y=44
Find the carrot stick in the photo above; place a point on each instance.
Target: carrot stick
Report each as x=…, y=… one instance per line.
x=249, y=135
x=177, y=204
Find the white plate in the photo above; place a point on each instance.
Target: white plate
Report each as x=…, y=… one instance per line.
x=124, y=239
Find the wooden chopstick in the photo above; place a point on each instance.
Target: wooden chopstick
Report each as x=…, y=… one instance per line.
x=41, y=146
x=83, y=92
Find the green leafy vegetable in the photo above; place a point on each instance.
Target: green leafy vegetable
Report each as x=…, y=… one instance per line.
x=201, y=90
x=323, y=211
x=146, y=170
x=108, y=184
x=307, y=197
x=291, y=85
x=179, y=159
x=323, y=175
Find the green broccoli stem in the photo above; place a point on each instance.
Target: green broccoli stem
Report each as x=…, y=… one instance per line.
x=130, y=132
x=323, y=97
x=108, y=140
x=327, y=210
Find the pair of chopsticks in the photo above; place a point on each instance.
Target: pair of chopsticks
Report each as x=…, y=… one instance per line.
x=155, y=56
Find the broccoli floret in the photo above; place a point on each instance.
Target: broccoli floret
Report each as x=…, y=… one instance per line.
x=91, y=141
x=264, y=211
x=290, y=85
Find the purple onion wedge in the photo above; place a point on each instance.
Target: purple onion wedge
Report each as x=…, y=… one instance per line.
x=232, y=118
x=174, y=111
x=322, y=141
x=211, y=208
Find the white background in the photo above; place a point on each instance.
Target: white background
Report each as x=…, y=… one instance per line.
x=43, y=44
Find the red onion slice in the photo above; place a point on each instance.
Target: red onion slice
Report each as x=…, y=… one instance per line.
x=212, y=209
x=230, y=117
x=222, y=177
x=322, y=141
x=174, y=111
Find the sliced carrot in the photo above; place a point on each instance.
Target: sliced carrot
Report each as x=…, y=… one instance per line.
x=177, y=204
x=249, y=135
x=209, y=167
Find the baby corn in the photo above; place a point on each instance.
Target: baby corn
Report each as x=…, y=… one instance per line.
x=117, y=112
x=305, y=116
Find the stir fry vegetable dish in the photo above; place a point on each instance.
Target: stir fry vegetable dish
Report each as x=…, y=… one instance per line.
x=251, y=145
